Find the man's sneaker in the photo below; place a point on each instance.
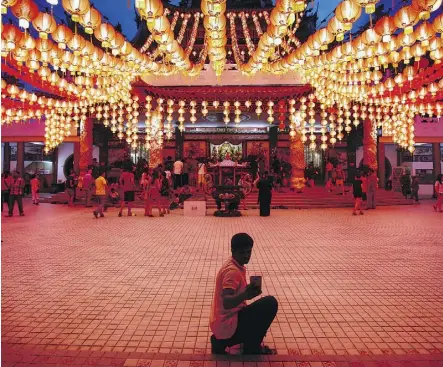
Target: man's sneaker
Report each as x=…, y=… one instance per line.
x=22, y=214
x=120, y=214
x=95, y=214
x=263, y=350
x=217, y=346
x=102, y=215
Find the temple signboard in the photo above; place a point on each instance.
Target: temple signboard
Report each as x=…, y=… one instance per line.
x=428, y=126
x=226, y=130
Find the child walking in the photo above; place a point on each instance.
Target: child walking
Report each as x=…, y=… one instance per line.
x=35, y=187
x=358, y=194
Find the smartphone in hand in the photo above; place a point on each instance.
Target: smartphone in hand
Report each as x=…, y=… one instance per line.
x=256, y=280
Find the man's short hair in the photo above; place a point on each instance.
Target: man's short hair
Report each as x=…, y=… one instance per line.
x=241, y=241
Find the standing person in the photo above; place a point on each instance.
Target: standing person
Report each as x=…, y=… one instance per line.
x=264, y=195
x=358, y=194
x=185, y=173
x=145, y=179
x=439, y=191
x=101, y=186
x=35, y=188
x=16, y=193
x=415, y=187
x=87, y=184
x=178, y=170
x=372, y=189
x=163, y=187
x=70, y=187
x=340, y=181
x=6, y=184
x=405, y=181
x=232, y=321
x=127, y=185
x=201, y=174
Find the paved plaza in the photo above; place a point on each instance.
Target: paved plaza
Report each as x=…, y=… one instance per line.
x=136, y=291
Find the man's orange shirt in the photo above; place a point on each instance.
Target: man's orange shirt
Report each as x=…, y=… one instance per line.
x=223, y=322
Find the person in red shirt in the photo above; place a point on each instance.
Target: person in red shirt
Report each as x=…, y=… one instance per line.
x=127, y=185
x=232, y=321
x=16, y=193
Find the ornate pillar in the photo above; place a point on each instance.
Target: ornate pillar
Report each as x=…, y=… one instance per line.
x=77, y=157
x=297, y=161
x=436, y=158
x=381, y=165
x=179, y=139
x=54, y=165
x=21, y=158
x=155, y=155
x=86, y=146
x=369, y=145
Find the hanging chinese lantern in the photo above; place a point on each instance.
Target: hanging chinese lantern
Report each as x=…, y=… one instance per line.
x=105, y=33
x=425, y=7
x=90, y=20
x=62, y=35
x=336, y=28
x=45, y=24
x=324, y=38
x=26, y=11
x=385, y=27
x=406, y=18
x=149, y=9
x=76, y=8
x=424, y=33
x=347, y=12
x=12, y=35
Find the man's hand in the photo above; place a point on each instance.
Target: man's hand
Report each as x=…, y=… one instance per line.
x=251, y=291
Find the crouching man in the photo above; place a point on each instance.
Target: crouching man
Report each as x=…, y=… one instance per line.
x=232, y=321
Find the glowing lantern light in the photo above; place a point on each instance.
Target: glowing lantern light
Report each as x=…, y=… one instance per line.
x=12, y=35
x=385, y=27
x=62, y=35
x=369, y=5
x=105, y=33
x=425, y=7
x=6, y=4
x=406, y=18
x=26, y=11
x=347, y=12
x=45, y=24
x=91, y=20
x=76, y=8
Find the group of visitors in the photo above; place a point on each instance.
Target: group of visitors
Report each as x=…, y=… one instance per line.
x=14, y=188
x=335, y=177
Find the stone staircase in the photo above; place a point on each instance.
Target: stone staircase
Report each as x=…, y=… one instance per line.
x=317, y=197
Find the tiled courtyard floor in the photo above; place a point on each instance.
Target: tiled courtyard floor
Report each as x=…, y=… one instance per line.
x=352, y=291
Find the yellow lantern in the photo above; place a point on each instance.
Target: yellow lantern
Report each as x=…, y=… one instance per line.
x=105, y=33
x=336, y=28
x=348, y=12
x=149, y=9
x=62, y=35
x=76, y=44
x=90, y=20
x=406, y=18
x=45, y=24
x=370, y=37
x=324, y=38
x=27, y=42
x=76, y=8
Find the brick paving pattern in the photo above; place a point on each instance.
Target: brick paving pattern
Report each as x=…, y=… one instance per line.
x=352, y=291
